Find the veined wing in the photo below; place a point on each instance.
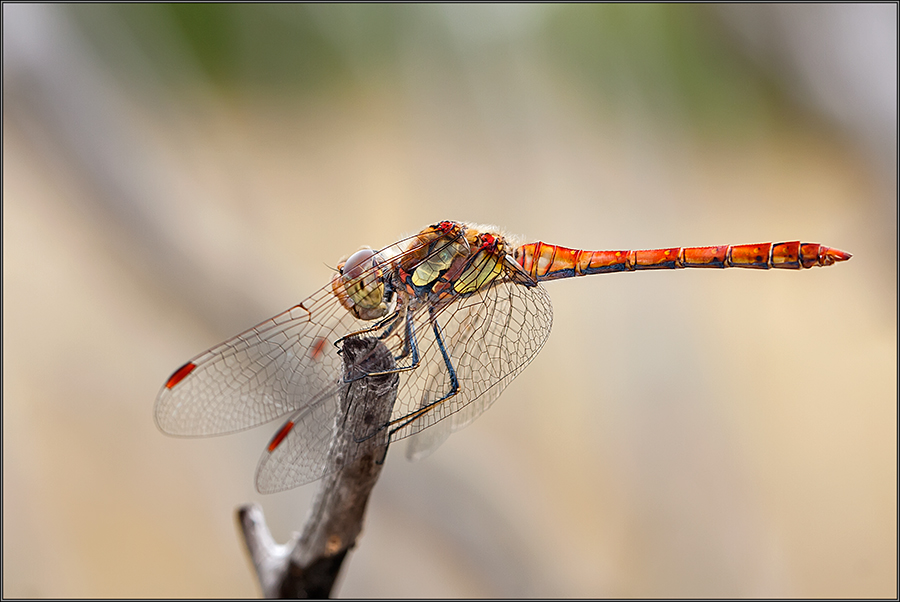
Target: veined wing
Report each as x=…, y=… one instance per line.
x=300, y=450
x=267, y=372
x=303, y=450
x=490, y=336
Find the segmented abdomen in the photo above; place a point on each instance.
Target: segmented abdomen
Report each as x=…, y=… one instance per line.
x=551, y=262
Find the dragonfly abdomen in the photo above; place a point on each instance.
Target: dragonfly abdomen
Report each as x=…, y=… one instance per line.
x=552, y=262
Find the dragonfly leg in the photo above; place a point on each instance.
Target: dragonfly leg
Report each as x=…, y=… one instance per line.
x=403, y=421
x=410, y=345
x=406, y=345
x=391, y=319
x=409, y=341
x=399, y=423
x=380, y=460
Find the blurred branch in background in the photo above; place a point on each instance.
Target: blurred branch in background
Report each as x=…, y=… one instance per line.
x=75, y=115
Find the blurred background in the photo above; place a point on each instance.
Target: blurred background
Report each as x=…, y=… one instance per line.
x=174, y=174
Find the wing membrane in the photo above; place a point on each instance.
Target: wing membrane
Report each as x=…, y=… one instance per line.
x=262, y=374
x=289, y=366
x=491, y=336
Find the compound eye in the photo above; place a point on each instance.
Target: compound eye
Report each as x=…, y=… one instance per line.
x=358, y=263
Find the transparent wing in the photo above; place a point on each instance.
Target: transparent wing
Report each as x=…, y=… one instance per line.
x=289, y=366
x=490, y=336
x=305, y=448
x=267, y=372
x=302, y=455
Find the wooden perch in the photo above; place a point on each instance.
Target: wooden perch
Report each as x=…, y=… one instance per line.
x=308, y=565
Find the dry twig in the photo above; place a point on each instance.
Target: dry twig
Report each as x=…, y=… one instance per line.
x=308, y=565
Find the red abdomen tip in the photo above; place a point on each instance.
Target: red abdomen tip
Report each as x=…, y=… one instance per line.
x=836, y=254
x=180, y=374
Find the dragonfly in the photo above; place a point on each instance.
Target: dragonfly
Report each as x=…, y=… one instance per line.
x=462, y=310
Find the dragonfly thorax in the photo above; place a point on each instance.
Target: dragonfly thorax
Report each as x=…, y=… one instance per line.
x=450, y=259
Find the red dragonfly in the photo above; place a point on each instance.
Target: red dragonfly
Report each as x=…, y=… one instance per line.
x=459, y=306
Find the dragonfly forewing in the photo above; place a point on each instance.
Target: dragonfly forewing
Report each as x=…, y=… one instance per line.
x=260, y=375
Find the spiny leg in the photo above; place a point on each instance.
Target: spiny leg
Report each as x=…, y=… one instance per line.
x=410, y=346
x=454, y=384
x=403, y=421
x=391, y=319
x=410, y=336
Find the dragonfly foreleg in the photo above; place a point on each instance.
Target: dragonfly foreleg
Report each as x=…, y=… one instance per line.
x=410, y=346
x=399, y=423
x=406, y=344
x=391, y=319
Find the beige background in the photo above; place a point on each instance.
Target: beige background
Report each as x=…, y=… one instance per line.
x=690, y=433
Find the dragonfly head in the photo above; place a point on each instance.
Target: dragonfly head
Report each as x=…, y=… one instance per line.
x=359, y=285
